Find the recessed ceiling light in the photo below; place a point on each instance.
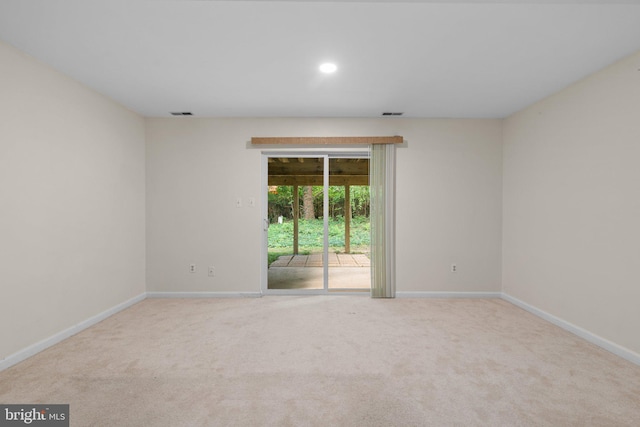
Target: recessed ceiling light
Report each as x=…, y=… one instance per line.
x=328, y=67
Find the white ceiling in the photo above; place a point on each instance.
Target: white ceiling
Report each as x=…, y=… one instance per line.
x=260, y=58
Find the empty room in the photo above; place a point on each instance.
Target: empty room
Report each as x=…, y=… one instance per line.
x=353, y=213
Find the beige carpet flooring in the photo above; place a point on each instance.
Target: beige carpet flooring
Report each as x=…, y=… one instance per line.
x=328, y=361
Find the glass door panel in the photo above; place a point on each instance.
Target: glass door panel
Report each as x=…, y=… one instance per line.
x=349, y=267
x=295, y=236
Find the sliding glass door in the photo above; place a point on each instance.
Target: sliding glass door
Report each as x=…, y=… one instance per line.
x=316, y=223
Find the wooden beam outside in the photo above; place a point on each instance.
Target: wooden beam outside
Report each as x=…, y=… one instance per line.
x=296, y=168
x=330, y=140
x=317, y=180
x=347, y=219
x=349, y=167
x=296, y=214
x=336, y=167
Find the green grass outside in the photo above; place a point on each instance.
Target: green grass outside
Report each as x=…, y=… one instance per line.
x=310, y=236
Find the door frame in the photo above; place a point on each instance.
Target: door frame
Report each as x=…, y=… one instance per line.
x=326, y=154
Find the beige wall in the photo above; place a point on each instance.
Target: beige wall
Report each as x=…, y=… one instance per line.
x=571, y=234
x=449, y=184
x=71, y=202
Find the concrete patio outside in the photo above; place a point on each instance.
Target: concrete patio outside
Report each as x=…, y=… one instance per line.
x=346, y=271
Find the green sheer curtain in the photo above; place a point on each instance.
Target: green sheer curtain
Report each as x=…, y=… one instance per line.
x=383, y=205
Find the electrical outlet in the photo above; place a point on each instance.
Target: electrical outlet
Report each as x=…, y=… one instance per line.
x=212, y=271
x=454, y=268
x=192, y=268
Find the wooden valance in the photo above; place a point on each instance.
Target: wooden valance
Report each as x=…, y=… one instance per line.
x=329, y=140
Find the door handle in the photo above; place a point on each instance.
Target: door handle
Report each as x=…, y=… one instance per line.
x=265, y=224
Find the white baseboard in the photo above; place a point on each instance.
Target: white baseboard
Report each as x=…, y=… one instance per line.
x=437, y=294
x=204, y=294
x=55, y=339
x=614, y=348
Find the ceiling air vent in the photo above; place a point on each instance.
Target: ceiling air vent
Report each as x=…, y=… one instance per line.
x=182, y=113
x=389, y=113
